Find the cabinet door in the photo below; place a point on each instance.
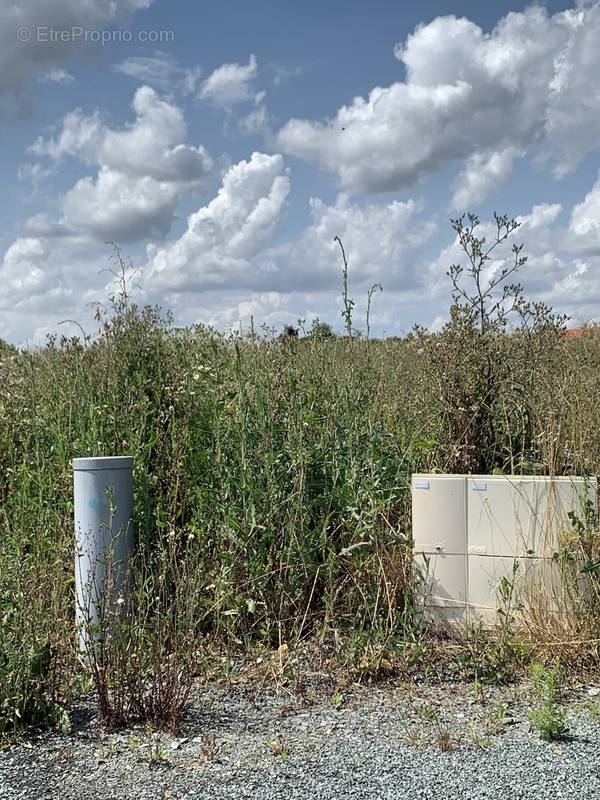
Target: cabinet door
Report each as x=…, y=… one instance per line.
x=444, y=579
x=495, y=582
x=556, y=498
x=439, y=513
x=501, y=515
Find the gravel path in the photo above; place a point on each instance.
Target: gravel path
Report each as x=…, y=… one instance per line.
x=362, y=742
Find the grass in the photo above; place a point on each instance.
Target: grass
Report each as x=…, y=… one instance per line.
x=272, y=501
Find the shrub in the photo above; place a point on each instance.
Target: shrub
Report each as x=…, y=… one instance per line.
x=549, y=717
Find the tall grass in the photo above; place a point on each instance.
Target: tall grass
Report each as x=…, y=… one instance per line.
x=286, y=463
x=281, y=466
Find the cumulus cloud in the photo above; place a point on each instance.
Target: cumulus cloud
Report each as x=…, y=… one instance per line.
x=143, y=169
x=585, y=217
x=222, y=237
x=22, y=60
x=532, y=84
x=226, y=270
x=45, y=278
x=120, y=207
x=54, y=269
x=231, y=84
x=384, y=243
x=80, y=136
x=227, y=244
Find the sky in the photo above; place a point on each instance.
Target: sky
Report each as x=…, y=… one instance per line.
x=222, y=147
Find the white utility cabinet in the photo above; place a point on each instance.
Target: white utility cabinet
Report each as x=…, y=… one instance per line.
x=476, y=535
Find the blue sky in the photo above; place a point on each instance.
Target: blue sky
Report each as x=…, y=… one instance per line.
x=225, y=158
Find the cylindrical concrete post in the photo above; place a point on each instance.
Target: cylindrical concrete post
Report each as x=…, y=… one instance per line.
x=103, y=504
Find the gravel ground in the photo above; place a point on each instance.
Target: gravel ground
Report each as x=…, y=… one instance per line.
x=390, y=741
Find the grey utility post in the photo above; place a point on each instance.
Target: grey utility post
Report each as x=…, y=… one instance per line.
x=103, y=502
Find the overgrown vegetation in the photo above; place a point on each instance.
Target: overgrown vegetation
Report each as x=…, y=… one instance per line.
x=272, y=480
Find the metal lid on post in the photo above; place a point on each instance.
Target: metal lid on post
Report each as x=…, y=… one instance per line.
x=103, y=462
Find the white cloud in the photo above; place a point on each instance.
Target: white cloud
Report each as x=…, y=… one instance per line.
x=227, y=243
x=541, y=216
x=160, y=71
x=585, y=217
x=21, y=272
x=80, y=136
x=283, y=74
x=258, y=121
x=22, y=60
x=152, y=145
x=143, y=169
x=47, y=278
x=223, y=236
x=58, y=76
x=191, y=79
x=121, y=207
x=42, y=225
x=225, y=269
x=532, y=84
x=383, y=242
x=35, y=174
x=480, y=176
x=230, y=84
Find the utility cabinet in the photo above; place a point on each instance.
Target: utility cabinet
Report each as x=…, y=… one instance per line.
x=478, y=536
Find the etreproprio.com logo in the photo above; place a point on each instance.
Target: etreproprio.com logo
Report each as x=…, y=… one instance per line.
x=78, y=35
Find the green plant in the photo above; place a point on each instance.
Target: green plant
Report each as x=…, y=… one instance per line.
x=321, y=330
x=278, y=746
x=495, y=718
x=491, y=655
x=549, y=718
x=346, y=299
x=593, y=710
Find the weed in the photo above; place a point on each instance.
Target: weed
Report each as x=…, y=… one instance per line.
x=549, y=717
x=593, y=710
x=444, y=739
x=158, y=756
x=209, y=747
x=278, y=746
x=494, y=720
